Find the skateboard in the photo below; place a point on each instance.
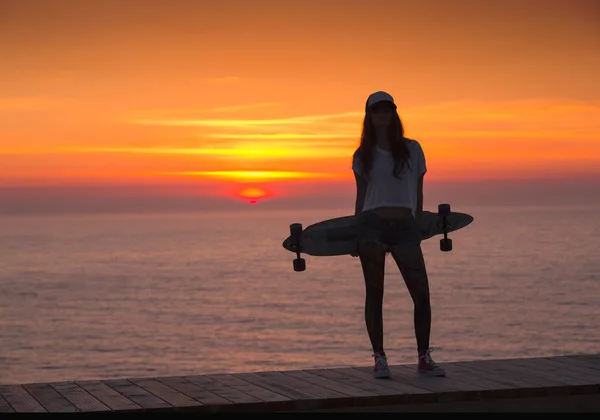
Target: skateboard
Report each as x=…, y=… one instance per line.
x=337, y=236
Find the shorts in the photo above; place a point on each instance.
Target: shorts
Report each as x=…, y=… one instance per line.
x=389, y=233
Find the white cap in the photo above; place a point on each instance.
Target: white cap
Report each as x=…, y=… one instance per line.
x=379, y=96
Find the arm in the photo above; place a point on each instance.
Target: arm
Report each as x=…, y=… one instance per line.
x=361, y=191
x=422, y=170
x=419, y=198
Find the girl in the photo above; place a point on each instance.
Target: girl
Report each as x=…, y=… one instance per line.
x=389, y=171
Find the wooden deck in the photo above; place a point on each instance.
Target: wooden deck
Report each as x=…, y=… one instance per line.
x=319, y=389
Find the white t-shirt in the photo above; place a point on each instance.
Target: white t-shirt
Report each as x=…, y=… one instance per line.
x=385, y=189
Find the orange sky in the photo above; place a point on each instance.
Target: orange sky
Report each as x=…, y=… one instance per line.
x=227, y=95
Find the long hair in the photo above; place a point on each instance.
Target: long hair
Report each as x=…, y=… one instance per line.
x=398, y=148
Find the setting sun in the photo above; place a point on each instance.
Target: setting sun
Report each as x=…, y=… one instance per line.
x=252, y=194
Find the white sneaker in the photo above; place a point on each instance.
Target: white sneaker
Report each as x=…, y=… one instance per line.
x=381, y=369
x=427, y=366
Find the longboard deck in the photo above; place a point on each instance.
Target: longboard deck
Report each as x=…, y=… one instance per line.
x=337, y=236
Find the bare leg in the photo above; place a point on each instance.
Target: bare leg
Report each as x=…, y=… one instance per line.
x=411, y=263
x=372, y=259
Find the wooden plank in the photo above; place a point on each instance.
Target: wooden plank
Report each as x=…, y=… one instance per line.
x=259, y=392
x=528, y=385
x=52, y=401
x=571, y=368
x=386, y=391
x=141, y=397
x=297, y=399
x=286, y=391
x=499, y=372
x=236, y=396
x=5, y=406
x=536, y=368
x=108, y=396
x=20, y=400
x=438, y=384
x=329, y=384
x=378, y=389
x=165, y=393
x=194, y=391
x=583, y=363
x=306, y=395
x=494, y=387
x=315, y=388
x=408, y=380
x=499, y=368
x=302, y=385
x=365, y=373
x=591, y=358
x=551, y=365
x=79, y=397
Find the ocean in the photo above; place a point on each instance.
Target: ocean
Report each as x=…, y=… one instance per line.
x=99, y=296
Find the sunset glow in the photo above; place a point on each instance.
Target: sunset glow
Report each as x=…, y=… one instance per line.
x=253, y=176
x=276, y=98
x=253, y=194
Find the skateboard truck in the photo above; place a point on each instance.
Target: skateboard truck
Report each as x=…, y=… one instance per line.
x=445, y=242
x=296, y=236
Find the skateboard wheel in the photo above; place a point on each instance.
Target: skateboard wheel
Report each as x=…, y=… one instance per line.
x=295, y=230
x=299, y=264
x=446, y=244
x=444, y=209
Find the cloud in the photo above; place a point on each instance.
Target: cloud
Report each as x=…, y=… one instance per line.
x=297, y=137
x=283, y=136
x=300, y=120
x=520, y=134
x=517, y=114
x=164, y=113
x=524, y=132
x=234, y=108
x=534, y=119
x=253, y=176
x=459, y=129
x=25, y=103
x=257, y=151
x=486, y=137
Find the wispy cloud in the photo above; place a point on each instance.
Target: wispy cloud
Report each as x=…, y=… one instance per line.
x=283, y=136
x=300, y=120
x=159, y=115
x=242, y=151
x=194, y=113
x=533, y=131
x=520, y=134
x=235, y=108
x=526, y=136
x=20, y=103
x=533, y=111
x=453, y=129
x=253, y=176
